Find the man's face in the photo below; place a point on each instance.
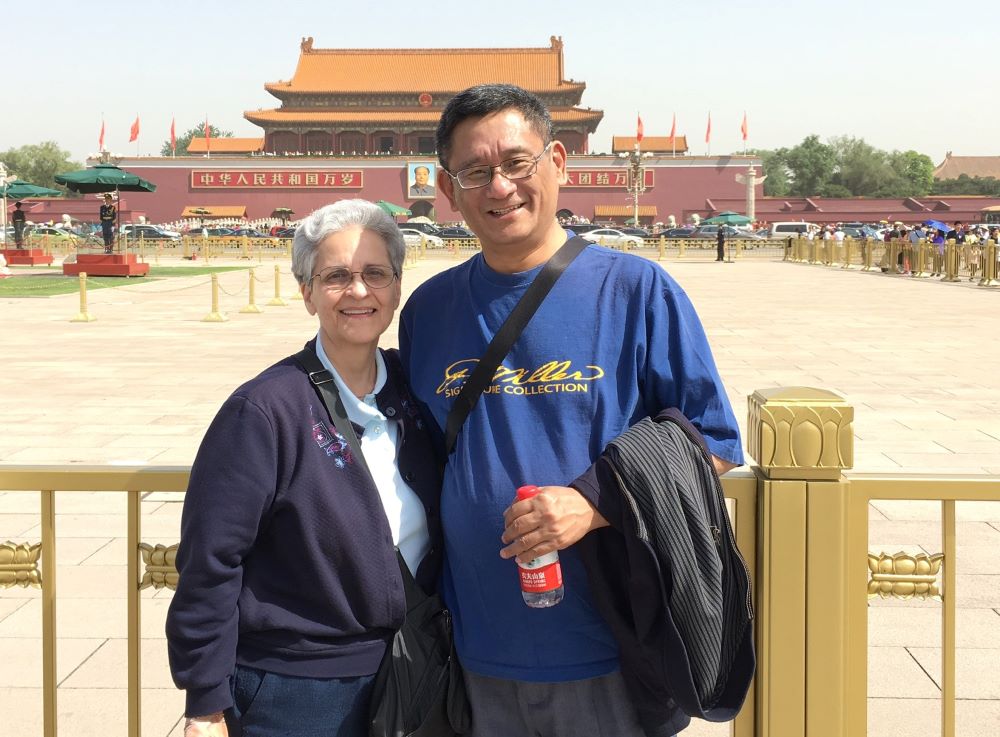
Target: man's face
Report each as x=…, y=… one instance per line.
x=420, y=175
x=506, y=214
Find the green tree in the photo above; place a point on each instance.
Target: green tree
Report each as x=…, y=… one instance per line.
x=774, y=166
x=964, y=184
x=184, y=141
x=861, y=170
x=38, y=163
x=915, y=172
x=811, y=164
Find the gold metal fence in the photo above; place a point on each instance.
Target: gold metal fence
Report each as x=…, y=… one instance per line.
x=799, y=519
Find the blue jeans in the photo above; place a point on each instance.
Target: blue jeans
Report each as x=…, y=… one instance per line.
x=269, y=704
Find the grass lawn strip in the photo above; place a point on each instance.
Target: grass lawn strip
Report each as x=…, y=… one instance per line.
x=52, y=284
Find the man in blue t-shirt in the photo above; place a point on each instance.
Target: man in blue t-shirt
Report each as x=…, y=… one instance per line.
x=615, y=340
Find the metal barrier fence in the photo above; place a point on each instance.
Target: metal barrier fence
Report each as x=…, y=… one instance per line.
x=801, y=523
x=952, y=262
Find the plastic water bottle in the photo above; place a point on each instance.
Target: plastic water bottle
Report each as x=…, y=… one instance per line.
x=541, y=578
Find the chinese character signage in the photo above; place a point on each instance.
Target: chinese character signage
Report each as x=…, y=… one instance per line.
x=295, y=179
x=604, y=178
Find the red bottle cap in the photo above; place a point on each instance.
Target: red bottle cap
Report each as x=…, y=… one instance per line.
x=526, y=492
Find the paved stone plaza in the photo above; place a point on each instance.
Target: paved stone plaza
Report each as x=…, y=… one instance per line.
x=916, y=359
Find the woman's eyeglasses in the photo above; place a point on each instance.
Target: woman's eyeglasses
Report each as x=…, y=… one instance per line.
x=337, y=278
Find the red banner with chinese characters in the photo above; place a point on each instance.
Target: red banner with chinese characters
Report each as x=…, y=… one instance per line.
x=294, y=179
x=611, y=178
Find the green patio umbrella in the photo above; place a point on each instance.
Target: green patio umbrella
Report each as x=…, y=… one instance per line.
x=391, y=209
x=104, y=178
x=19, y=189
x=727, y=218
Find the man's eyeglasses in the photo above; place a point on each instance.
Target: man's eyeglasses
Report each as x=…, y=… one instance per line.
x=521, y=167
x=336, y=278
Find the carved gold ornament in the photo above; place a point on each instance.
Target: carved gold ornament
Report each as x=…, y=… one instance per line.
x=161, y=567
x=904, y=576
x=19, y=565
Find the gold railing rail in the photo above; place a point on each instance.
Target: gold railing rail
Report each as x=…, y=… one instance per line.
x=800, y=519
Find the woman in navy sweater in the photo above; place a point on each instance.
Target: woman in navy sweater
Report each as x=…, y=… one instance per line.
x=289, y=584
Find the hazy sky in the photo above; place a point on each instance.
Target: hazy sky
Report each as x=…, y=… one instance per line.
x=902, y=75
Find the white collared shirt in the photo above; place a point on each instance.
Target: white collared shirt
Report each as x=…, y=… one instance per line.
x=403, y=508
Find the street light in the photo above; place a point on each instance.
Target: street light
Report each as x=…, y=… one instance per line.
x=4, y=179
x=637, y=178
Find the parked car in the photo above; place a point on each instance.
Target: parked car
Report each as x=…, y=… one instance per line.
x=414, y=237
x=249, y=233
x=284, y=233
x=613, y=238
x=152, y=232
x=638, y=232
x=210, y=232
x=686, y=232
x=428, y=228
x=793, y=229
x=128, y=228
x=455, y=233
x=712, y=232
x=581, y=228
x=51, y=233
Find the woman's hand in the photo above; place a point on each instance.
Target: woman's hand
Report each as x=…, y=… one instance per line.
x=212, y=725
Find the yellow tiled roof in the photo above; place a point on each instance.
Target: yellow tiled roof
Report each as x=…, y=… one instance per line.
x=214, y=211
x=226, y=145
x=974, y=166
x=427, y=117
x=425, y=70
x=624, y=144
x=614, y=211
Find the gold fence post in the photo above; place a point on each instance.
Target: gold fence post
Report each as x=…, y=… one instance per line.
x=680, y=248
x=83, y=315
x=49, y=682
x=251, y=307
x=848, y=251
x=215, y=315
x=662, y=247
x=134, y=612
x=950, y=261
x=276, y=300
x=802, y=440
x=989, y=265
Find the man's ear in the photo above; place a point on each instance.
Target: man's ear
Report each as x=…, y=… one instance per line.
x=559, y=159
x=447, y=185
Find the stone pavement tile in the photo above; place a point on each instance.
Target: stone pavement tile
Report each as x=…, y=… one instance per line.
x=921, y=627
x=978, y=559
x=931, y=510
x=90, y=712
x=892, y=672
x=927, y=534
x=16, y=527
x=106, y=667
x=86, y=618
x=112, y=553
x=978, y=591
x=71, y=652
x=922, y=718
x=922, y=463
x=8, y=606
x=977, y=671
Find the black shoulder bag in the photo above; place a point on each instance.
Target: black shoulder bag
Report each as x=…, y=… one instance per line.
x=505, y=337
x=418, y=690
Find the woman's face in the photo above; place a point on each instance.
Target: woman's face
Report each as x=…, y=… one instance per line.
x=358, y=314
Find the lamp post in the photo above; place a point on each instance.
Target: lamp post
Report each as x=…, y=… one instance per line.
x=637, y=179
x=3, y=184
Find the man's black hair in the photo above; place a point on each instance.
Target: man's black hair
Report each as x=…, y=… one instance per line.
x=485, y=99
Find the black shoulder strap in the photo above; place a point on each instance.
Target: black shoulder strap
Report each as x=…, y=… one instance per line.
x=504, y=339
x=325, y=384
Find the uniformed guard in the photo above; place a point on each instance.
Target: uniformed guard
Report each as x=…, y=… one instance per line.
x=109, y=216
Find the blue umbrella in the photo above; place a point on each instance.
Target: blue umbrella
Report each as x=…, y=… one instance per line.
x=937, y=225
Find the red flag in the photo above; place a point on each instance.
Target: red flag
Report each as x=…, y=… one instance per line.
x=743, y=128
x=638, y=131
x=708, y=130
x=134, y=133
x=673, y=130
x=100, y=139
x=173, y=135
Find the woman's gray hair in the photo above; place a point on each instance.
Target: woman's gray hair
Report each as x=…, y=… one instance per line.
x=339, y=216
